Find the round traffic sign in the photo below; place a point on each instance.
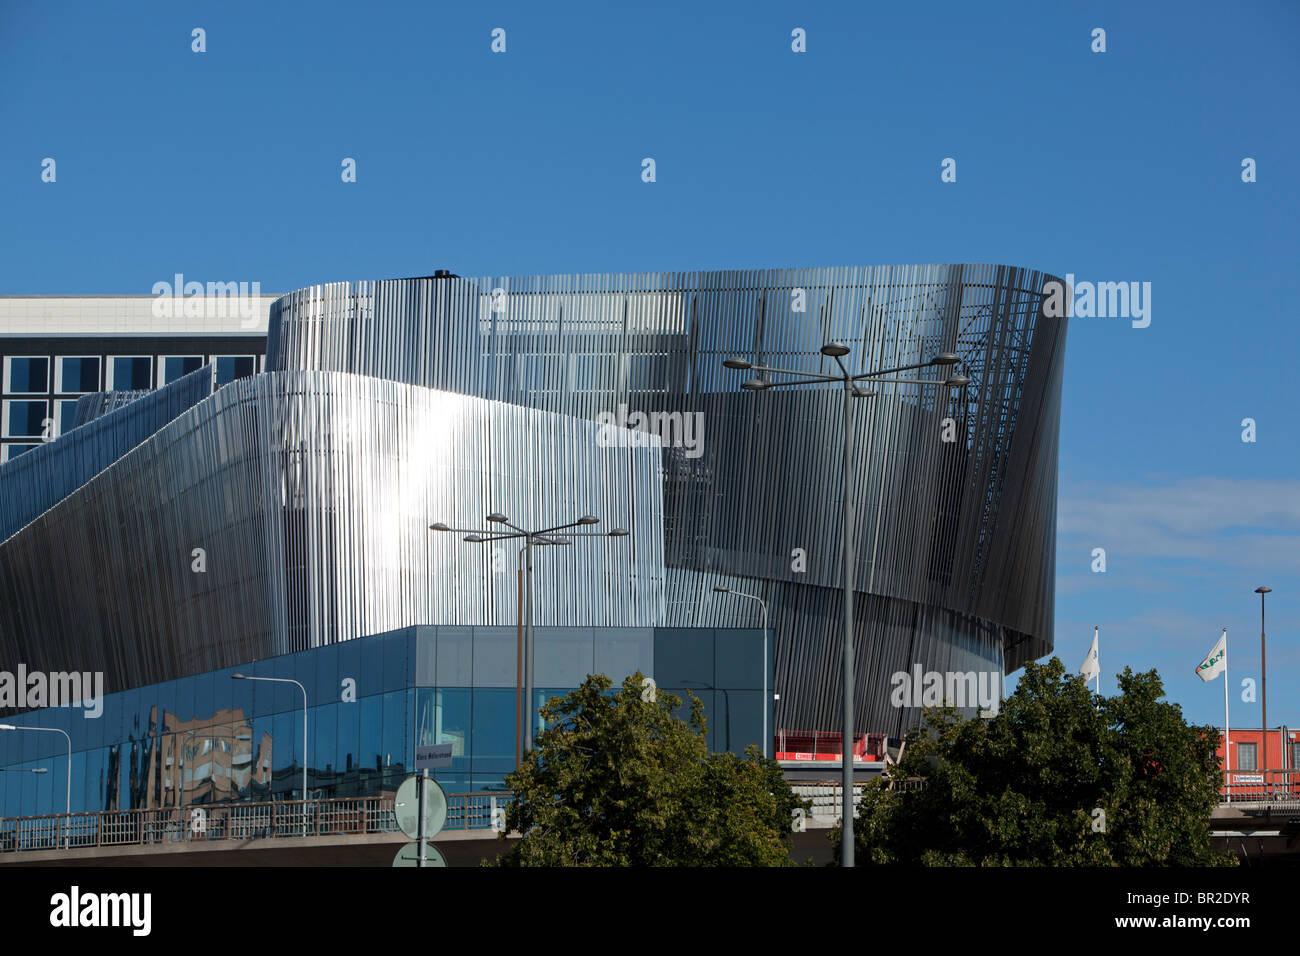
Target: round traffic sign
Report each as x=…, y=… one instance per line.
x=406, y=805
x=407, y=855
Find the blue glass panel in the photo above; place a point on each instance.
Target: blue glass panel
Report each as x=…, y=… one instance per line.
x=396, y=664
x=183, y=701
x=396, y=735
x=493, y=738
x=456, y=657
x=132, y=372
x=739, y=658
x=372, y=666
x=496, y=657
x=175, y=367
x=327, y=687
x=426, y=657
x=28, y=375
x=204, y=711
x=26, y=419
x=623, y=651
x=348, y=658
x=371, y=742
x=287, y=742
x=452, y=723
x=324, y=736
x=683, y=657
x=562, y=656
x=80, y=374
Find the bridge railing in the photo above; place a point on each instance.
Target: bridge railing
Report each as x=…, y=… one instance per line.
x=239, y=822
x=1275, y=787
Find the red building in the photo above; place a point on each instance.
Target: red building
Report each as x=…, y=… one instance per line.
x=1256, y=772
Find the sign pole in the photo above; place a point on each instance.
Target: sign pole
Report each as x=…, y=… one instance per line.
x=424, y=783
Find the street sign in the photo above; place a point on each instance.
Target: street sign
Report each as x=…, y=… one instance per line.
x=406, y=805
x=433, y=757
x=409, y=855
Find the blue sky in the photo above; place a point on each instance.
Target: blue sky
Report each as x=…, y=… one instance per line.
x=1115, y=166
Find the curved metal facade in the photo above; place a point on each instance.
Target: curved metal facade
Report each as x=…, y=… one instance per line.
x=955, y=539
x=310, y=495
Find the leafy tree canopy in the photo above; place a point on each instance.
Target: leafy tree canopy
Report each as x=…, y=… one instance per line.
x=1060, y=777
x=618, y=780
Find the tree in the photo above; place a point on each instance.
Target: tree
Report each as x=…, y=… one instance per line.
x=618, y=780
x=1059, y=777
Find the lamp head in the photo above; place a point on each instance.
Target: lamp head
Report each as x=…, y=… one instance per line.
x=474, y=538
x=498, y=517
x=619, y=533
x=1263, y=590
x=956, y=381
x=588, y=519
x=944, y=358
x=238, y=677
x=738, y=363
x=721, y=590
x=756, y=385
x=438, y=527
x=835, y=349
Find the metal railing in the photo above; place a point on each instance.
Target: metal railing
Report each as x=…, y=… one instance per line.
x=234, y=822
x=1261, y=787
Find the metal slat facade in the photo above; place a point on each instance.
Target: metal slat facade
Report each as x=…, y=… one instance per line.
x=955, y=540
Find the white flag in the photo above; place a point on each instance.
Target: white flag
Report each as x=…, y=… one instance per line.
x=1216, y=662
x=1091, y=666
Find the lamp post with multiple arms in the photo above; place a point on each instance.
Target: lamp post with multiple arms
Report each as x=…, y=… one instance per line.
x=763, y=604
x=557, y=535
x=848, y=381
x=290, y=680
x=67, y=806
x=1262, y=762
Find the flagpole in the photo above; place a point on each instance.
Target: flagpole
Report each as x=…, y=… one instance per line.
x=1096, y=636
x=1227, y=749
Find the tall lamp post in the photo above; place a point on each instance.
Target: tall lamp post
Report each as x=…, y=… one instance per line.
x=848, y=381
x=557, y=535
x=763, y=604
x=290, y=680
x=67, y=805
x=1262, y=762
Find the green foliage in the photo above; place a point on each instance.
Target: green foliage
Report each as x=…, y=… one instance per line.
x=1022, y=788
x=619, y=781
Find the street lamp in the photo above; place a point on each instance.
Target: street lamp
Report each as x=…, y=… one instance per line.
x=837, y=351
x=1262, y=762
x=67, y=806
x=557, y=535
x=290, y=680
x=763, y=605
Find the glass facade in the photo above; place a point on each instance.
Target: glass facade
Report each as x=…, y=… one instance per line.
x=370, y=701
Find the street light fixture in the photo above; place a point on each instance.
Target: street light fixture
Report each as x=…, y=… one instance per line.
x=763, y=604
x=67, y=805
x=847, y=381
x=1262, y=762
x=290, y=680
x=553, y=536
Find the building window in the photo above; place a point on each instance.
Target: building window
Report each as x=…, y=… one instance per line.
x=77, y=374
x=172, y=367
x=66, y=414
x=25, y=419
x=1246, y=757
x=129, y=373
x=231, y=367
x=13, y=451
x=27, y=375
x=1295, y=756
